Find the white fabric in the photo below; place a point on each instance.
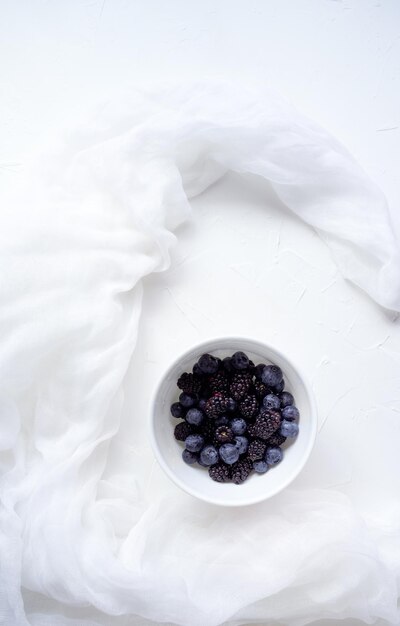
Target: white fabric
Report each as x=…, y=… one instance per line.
x=76, y=243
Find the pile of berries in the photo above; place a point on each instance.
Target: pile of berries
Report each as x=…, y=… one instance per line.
x=236, y=416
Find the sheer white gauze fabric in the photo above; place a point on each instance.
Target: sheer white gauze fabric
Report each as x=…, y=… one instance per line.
x=77, y=240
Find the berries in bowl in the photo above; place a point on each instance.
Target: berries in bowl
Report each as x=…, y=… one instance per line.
x=233, y=421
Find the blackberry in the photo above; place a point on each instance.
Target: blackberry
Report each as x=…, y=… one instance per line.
x=276, y=440
x=265, y=425
x=216, y=405
x=219, y=382
x=207, y=429
x=241, y=470
x=189, y=383
x=220, y=473
x=223, y=434
x=260, y=389
x=249, y=406
x=240, y=384
x=256, y=449
x=182, y=431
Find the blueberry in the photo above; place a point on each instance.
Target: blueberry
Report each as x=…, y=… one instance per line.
x=242, y=443
x=286, y=399
x=259, y=370
x=240, y=361
x=194, y=443
x=202, y=403
x=187, y=400
x=279, y=387
x=273, y=456
x=177, y=410
x=189, y=457
x=232, y=404
x=221, y=420
x=208, y=364
x=289, y=429
x=227, y=364
x=260, y=467
x=229, y=453
x=271, y=401
x=196, y=370
x=209, y=455
x=290, y=413
x=271, y=375
x=194, y=417
x=238, y=426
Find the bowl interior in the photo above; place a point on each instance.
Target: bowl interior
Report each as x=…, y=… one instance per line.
x=195, y=479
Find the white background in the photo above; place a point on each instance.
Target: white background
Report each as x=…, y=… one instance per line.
x=261, y=272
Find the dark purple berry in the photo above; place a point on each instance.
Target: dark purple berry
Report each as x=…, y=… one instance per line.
x=220, y=473
x=271, y=401
x=231, y=405
x=290, y=413
x=208, y=364
x=227, y=364
x=182, y=430
x=273, y=456
x=286, y=399
x=202, y=403
x=240, y=361
x=242, y=444
x=177, y=410
x=229, y=453
x=289, y=429
x=271, y=375
x=187, y=400
x=209, y=455
x=194, y=443
x=259, y=370
x=196, y=370
x=260, y=466
x=216, y=405
x=223, y=434
x=238, y=426
x=279, y=387
x=194, y=417
x=189, y=457
x=189, y=383
x=221, y=420
x=241, y=470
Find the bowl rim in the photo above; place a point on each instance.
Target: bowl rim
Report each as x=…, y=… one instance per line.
x=206, y=345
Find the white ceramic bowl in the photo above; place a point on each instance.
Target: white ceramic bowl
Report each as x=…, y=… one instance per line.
x=195, y=479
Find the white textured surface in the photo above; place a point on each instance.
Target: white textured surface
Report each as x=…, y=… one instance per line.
x=339, y=63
